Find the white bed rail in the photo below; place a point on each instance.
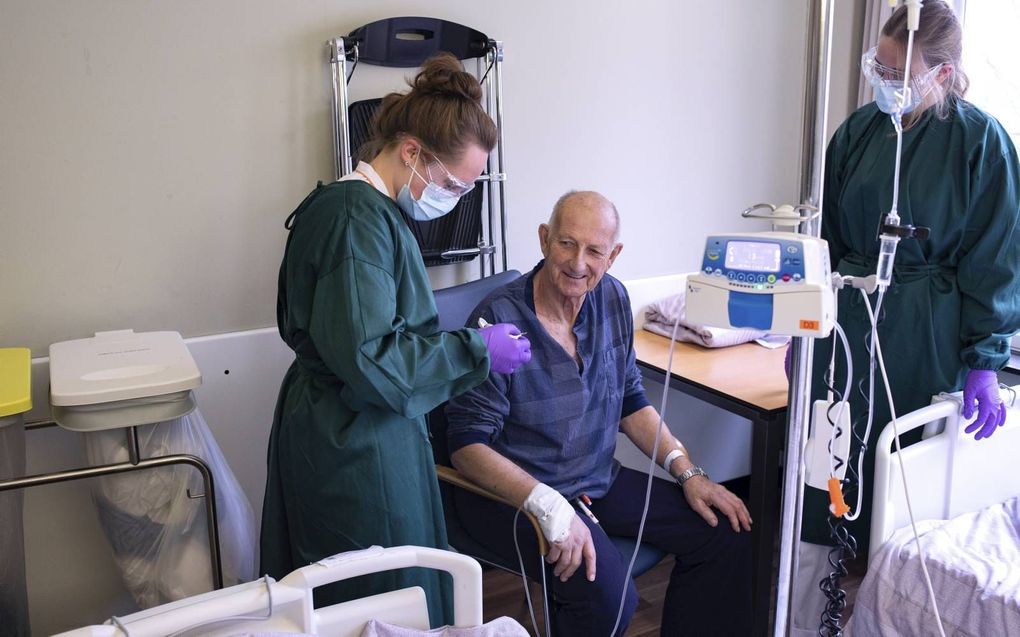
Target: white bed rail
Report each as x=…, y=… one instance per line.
x=286, y=606
x=948, y=473
x=467, y=574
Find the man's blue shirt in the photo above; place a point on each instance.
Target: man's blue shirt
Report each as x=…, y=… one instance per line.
x=556, y=418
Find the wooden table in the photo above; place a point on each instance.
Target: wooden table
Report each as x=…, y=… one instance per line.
x=746, y=380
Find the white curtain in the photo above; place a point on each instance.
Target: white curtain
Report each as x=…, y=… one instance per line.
x=875, y=15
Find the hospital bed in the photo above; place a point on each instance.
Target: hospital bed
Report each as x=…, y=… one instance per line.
x=966, y=501
x=268, y=606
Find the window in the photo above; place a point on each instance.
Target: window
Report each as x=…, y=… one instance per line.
x=991, y=59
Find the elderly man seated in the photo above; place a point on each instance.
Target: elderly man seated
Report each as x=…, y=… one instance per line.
x=545, y=438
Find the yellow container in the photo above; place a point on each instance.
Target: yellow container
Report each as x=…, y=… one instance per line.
x=15, y=400
x=15, y=384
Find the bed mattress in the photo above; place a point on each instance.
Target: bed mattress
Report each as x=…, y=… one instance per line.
x=974, y=563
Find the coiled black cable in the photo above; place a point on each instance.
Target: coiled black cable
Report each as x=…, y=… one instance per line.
x=845, y=544
x=845, y=549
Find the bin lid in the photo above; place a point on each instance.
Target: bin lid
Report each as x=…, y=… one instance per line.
x=15, y=380
x=120, y=365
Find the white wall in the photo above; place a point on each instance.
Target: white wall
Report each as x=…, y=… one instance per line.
x=152, y=149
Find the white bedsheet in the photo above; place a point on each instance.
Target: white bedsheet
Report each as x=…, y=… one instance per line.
x=974, y=563
x=501, y=627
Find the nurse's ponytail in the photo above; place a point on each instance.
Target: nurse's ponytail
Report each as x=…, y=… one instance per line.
x=443, y=109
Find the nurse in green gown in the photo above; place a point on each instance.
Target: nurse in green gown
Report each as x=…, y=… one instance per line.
x=350, y=464
x=954, y=302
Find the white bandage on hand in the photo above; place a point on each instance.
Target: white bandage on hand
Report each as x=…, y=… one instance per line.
x=553, y=511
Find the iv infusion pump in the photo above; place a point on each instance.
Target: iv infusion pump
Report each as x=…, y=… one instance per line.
x=778, y=282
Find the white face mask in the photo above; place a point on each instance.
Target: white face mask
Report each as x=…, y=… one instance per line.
x=435, y=201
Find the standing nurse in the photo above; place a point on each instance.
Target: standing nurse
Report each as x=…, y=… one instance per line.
x=350, y=464
x=954, y=302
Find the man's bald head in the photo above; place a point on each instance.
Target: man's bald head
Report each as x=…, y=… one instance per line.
x=586, y=202
x=579, y=244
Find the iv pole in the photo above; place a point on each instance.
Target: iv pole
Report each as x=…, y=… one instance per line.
x=816, y=106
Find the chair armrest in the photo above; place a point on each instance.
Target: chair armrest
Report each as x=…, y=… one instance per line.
x=450, y=475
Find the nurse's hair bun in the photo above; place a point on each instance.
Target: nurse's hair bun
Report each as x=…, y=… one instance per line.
x=443, y=76
x=442, y=111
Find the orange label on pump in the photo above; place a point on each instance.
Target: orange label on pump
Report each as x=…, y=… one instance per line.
x=808, y=325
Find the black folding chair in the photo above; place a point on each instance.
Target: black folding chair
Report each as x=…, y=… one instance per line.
x=407, y=42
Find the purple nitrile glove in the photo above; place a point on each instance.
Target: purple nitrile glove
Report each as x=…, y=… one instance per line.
x=786, y=361
x=508, y=348
x=983, y=386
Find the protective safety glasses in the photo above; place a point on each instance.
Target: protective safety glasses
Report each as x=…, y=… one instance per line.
x=875, y=71
x=450, y=183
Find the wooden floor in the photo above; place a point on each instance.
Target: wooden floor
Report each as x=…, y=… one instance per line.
x=504, y=595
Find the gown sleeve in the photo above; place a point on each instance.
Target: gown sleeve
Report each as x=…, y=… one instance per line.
x=835, y=161
x=478, y=415
x=989, y=269
x=359, y=332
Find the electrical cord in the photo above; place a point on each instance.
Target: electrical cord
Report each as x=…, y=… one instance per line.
x=651, y=471
x=527, y=589
x=906, y=491
x=845, y=545
x=836, y=463
x=845, y=542
x=845, y=550
x=872, y=339
x=354, y=66
x=487, y=69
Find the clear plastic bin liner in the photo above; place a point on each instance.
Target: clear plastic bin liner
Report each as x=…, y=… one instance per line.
x=157, y=532
x=13, y=592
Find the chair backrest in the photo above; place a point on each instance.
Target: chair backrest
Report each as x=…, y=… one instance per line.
x=455, y=305
x=461, y=229
x=407, y=41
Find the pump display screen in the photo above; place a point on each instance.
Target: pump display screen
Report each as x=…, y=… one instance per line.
x=755, y=256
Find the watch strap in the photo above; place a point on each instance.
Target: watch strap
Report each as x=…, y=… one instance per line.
x=690, y=473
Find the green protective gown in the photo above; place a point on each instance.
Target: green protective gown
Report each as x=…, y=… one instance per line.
x=955, y=297
x=350, y=464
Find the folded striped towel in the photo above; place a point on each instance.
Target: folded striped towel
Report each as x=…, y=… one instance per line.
x=660, y=316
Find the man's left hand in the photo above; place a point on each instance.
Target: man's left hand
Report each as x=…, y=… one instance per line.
x=703, y=495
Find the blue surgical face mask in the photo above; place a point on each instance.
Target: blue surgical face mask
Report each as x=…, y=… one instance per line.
x=885, y=92
x=435, y=201
x=885, y=96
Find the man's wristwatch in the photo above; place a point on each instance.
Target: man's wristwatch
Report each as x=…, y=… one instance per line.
x=690, y=473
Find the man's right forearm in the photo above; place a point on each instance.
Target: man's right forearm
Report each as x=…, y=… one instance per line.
x=493, y=471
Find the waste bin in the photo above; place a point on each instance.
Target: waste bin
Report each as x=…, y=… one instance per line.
x=164, y=517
